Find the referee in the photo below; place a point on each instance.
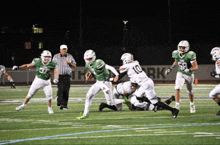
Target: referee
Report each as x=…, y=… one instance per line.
x=65, y=63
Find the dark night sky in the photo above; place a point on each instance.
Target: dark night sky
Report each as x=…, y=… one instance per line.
x=148, y=27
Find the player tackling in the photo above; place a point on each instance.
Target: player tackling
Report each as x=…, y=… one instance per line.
x=44, y=68
x=137, y=75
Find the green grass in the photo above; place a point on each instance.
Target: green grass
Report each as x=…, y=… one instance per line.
x=34, y=125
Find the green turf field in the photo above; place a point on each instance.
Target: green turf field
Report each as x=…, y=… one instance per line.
x=34, y=125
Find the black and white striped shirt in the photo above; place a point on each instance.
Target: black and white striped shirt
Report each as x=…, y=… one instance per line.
x=62, y=67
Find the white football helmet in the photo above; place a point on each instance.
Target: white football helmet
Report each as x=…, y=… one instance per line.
x=183, y=43
x=127, y=58
x=215, y=53
x=46, y=53
x=89, y=54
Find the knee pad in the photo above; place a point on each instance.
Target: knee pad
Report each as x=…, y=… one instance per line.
x=49, y=98
x=189, y=92
x=211, y=95
x=29, y=96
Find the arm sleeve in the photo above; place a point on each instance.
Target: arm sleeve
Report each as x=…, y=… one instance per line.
x=193, y=58
x=33, y=61
x=3, y=69
x=112, y=69
x=73, y=60
x=121, y=75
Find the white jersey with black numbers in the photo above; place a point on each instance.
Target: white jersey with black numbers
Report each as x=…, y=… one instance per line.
x=124, y=88
x=134, y=72
x=2, y=70
x=217, y=66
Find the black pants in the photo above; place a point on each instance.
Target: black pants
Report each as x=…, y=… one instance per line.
x=63, y=90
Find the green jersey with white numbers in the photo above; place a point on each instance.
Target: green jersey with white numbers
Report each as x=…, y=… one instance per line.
x=98, y=69
x=185, y=61
x=43, y=71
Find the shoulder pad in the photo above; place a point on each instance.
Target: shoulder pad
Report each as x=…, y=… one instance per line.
x=191, y=52
x=100, y=63
x=36, y=58
x=174, y=53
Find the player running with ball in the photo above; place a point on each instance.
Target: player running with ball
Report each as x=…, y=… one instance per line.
x=98, y=69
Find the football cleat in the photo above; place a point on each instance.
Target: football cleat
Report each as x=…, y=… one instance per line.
x=20, y=107
x=218, y=114
x=50, y=111
x=175, y=112
x=81, y=117
x=102, y=106
x=177, y=106
x=172, y=98
x=192, y=108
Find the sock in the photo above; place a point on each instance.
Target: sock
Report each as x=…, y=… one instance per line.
x=191, y=103
x=49, y=107
x=218, y=103
x=168, y=101
x=112, y=107
x=163, y=105
x=144, y=99
x=177, y=103
x=11, y=80
x=24, y=105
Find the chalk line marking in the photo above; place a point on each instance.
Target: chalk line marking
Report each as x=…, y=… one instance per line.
x=99, y=131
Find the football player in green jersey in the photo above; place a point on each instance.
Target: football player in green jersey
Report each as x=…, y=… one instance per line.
x=44, y=68
x=187, y=64
x=99, y=70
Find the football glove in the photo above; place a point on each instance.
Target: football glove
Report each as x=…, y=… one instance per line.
x=55, y=81
x=168, y=71
x=187, y=70
x=15, y=67
x=214, y=74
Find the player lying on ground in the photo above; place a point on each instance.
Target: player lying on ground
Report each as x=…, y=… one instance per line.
x=3, y=72
x=100, y=71
x=44, y=68
x=127, y=90
x=216, y=91
x=134, y=71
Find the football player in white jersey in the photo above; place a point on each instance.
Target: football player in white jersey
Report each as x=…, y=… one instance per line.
x=187, y=64
x=128, y=90
x=120, y=94
x=134, y=71
x=4, y=73
x=216, y=91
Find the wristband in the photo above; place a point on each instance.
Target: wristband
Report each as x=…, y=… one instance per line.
x=172, y=66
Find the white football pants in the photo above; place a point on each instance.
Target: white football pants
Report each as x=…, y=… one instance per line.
x=147, y=88
x=181, y=79
x=40, y=83
x=215, y=92
x=142, y=105
x=106, y=87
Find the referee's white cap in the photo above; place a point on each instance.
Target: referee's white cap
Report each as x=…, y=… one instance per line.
x=63, y=46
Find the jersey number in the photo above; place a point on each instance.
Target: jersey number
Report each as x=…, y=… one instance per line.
x=182, y=65
x=137, y=69
x=43, y=70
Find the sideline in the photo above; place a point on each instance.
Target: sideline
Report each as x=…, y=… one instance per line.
x=99, y=131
